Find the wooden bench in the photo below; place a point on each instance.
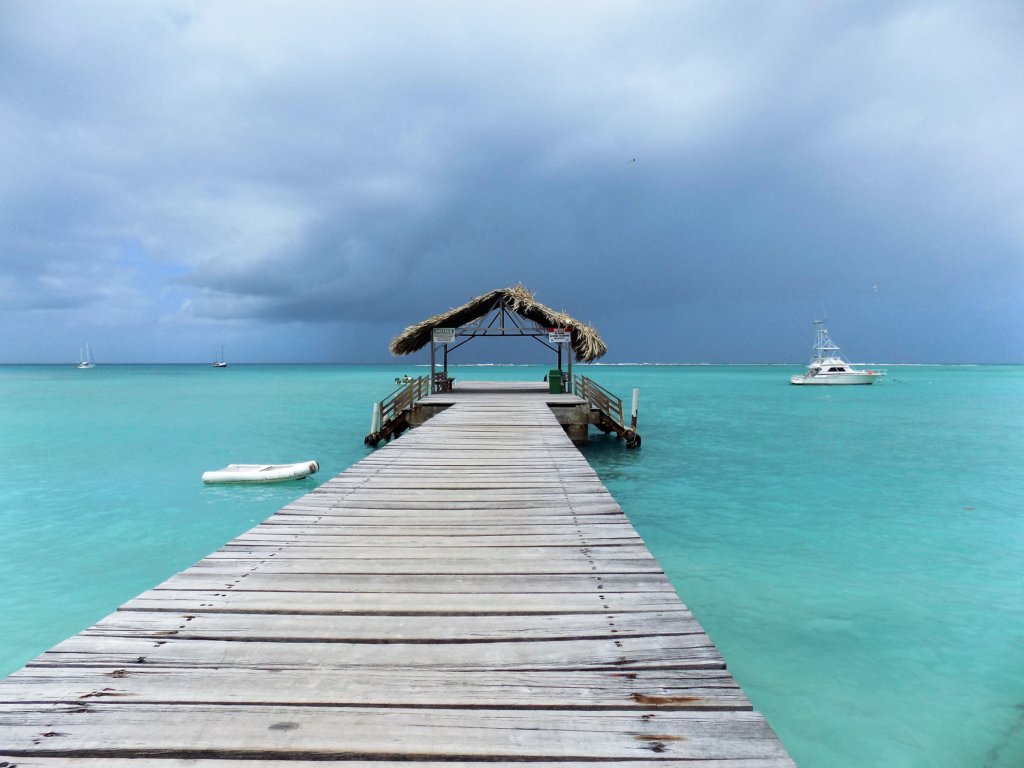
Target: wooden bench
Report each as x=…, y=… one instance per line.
x=443, y=382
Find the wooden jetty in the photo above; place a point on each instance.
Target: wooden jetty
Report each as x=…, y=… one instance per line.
x=468, y=593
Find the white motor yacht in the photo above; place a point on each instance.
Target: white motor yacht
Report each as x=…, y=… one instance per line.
x=828, y=365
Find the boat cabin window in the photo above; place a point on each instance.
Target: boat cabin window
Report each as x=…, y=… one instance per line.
x=835, y=370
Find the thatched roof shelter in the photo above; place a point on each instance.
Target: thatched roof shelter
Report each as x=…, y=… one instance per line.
x=586, y=342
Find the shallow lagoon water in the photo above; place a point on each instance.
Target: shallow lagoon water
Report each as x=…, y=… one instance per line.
x=856, y=553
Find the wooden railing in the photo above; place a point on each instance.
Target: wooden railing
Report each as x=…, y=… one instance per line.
x=610, y=416
x=599, y=397
x=389, y=414
x=403, y=398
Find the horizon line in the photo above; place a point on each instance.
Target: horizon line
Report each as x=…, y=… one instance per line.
x=508, y=365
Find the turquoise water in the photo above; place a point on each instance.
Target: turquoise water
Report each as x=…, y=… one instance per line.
x=857, y=553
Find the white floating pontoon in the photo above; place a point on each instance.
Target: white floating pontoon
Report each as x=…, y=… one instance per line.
x=261, y=473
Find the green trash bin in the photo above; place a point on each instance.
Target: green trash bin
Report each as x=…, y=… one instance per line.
x=555, y=381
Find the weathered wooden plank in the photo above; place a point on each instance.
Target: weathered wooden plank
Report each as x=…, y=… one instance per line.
x=341, y=542
x=276, y=526
x=478, y=453
x=419, y=511
x=470, y=495
x=408, y=507
x=401, y=603
x=625, y=654
x=252, y=627
x=225, y=572
x=151, y=762
x=477, y=466
x=473, y=468
x=489, y=476
x=695, y=689
x=439, y=478
x=102, y=729
x=456, y=524
x=427, y=565
x=529, y=469
x=430, y=549
x=344, y=539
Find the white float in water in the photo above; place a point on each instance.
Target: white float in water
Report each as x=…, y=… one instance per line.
x=261, y=473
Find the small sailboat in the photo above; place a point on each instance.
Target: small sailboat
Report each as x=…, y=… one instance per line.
x=221, y=362
x=85, y=360
x=828, y=366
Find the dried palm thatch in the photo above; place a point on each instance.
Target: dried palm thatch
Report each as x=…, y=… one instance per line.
x=586, y=342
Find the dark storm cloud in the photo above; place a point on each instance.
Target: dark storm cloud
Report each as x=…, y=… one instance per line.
x=376, y=163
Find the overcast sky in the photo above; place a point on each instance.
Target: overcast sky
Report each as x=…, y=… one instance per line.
x=698, y=180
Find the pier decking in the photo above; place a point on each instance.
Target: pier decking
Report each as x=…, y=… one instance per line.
x=470, y=592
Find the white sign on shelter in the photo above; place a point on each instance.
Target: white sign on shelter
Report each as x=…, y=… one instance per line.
x=444, y=335
x=559, y=336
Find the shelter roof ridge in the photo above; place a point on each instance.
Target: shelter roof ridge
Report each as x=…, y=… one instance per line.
x=586, y=342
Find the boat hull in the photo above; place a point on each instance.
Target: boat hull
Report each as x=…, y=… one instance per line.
x=261, y=473
x=865, y=377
